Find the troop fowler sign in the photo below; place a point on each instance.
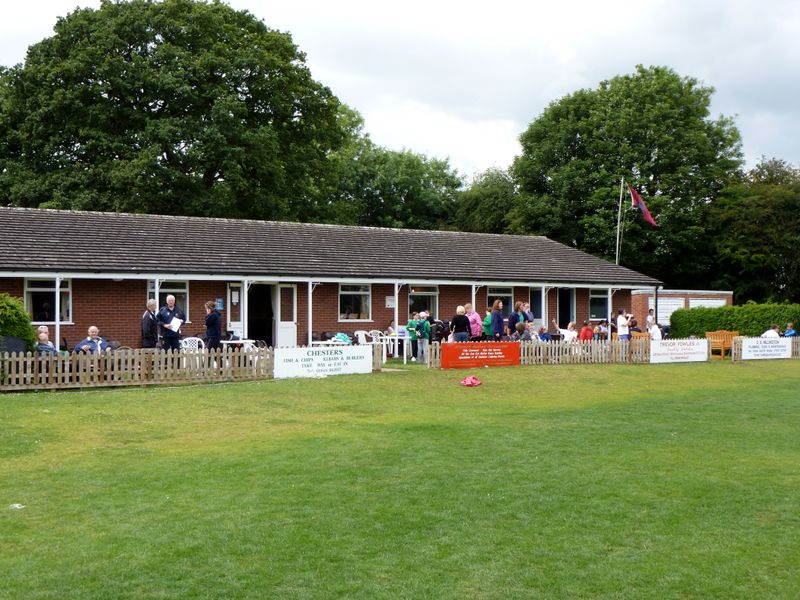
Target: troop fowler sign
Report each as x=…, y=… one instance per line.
x=481, y=354
x=669, y=351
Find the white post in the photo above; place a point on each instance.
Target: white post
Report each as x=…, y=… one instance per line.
x=619, y=216
x=474, y=287
x=57, y=342
x=310, y=318
x=243, y=307
x=397, y=319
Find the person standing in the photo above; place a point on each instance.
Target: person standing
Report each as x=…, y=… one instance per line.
x=498, y=324
x=487, y=324
x=213, y=326
x=623, y=325
x=170, y=318
x=475, y=325
x=411, y=327
x=423, y=337
x=461, y=325
x=150, y=325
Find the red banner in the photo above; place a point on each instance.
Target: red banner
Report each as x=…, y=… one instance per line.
x=468, y=355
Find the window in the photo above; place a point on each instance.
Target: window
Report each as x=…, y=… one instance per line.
x=423, y=297
x=355, y=302
x=40, y=300
x=179, y=289
x=598, y=304
x=535, y=300
x=506, y=294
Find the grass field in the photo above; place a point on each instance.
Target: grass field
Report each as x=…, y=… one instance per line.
x=676, y=481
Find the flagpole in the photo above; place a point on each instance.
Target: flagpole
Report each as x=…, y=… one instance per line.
x=619, y=215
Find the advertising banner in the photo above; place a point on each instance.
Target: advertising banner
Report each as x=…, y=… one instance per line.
x=761, y=348
x=670, y=351
x=322, y=361
x=468, y=355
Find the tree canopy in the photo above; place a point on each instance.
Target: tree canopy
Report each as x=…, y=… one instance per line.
x=755, y=225
x=175, y=107
x=653, y=129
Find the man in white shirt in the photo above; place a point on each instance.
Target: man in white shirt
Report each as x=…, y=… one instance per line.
x=772, y=332
x=651, y=318
x=655, y=331
x=623, y=325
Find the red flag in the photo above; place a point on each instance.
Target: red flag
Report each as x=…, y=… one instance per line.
x=639, y=203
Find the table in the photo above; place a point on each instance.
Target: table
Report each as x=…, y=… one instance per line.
x=244, y=344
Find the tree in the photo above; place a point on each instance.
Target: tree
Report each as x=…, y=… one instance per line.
x=175, y=107
x=15, y=321
x=379, y=187
x=653, y=129
x=484, y=206
x=755, y=225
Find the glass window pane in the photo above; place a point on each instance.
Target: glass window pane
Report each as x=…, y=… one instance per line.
x=504, y=294
x=353, y=306
x=42, y=306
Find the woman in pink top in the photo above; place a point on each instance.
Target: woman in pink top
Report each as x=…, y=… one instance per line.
x=475, y=323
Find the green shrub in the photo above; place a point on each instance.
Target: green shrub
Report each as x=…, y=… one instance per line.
x=749, y=319
x=15, y=320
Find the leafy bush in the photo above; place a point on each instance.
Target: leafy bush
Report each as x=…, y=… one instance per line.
x=15, y=320
x=748, y=319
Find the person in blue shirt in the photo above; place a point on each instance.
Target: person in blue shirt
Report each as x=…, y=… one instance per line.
x=44, y=345
x=790, y=332
x=213, y=326
x=498, y=323
x=92, y=343
x=171, y=338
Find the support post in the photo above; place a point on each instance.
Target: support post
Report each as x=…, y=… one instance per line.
x=310, y=318
x=57, y=332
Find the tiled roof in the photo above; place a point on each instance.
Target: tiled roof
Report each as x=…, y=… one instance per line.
x=73, y=241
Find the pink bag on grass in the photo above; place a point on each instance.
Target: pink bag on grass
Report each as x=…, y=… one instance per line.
x=470, y=381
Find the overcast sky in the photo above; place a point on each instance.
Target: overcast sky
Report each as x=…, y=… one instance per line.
x=462, y=79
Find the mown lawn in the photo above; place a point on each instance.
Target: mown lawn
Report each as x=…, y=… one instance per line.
x=678, y=481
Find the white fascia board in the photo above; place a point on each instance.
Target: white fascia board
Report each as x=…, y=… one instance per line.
x=303, y=279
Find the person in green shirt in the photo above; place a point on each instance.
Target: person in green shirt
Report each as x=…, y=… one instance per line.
x=487, y=325
x=423, y=340
x=411, y=327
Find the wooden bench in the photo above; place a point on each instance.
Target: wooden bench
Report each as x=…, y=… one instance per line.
x=721, y=341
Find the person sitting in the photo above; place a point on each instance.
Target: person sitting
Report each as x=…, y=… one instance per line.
x=570, y=334
x=790, y=332
x=773, y=331
x=655, y=332
x=543, y=335
x=634, y=326
x=93, y=343
x=587, y=332
x=44, y=345
x=521, y=333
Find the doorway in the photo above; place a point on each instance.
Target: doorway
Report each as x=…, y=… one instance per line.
x=260, y=316
x=566, y=307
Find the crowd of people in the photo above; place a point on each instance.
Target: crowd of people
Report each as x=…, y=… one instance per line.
x=775, y=331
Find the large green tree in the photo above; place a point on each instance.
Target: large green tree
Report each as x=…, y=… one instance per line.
x=379, y=187
x=755, y=226
x=484, y=206
x=176, y=107
x=652, y=128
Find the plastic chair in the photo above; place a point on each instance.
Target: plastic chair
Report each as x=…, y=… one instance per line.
x=361, y=336
x=192, y=343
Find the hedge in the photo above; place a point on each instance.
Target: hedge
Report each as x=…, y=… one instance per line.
x=15, y=320
x=749, y=319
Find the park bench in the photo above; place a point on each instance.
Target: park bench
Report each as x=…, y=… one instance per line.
x=721, y=341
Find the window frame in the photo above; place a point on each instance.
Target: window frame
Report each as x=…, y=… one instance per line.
x=595, y=294
x=362, y=292
x=64, y=288
x=168, y=286
x=428, y=291
x=492, y=294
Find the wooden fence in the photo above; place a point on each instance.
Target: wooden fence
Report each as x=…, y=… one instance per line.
x=570, y=353
x=33, y=371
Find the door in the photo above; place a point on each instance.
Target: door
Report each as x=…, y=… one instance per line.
x=260, y=313
x=566, y=307
x=287, y=315
x=234, y=312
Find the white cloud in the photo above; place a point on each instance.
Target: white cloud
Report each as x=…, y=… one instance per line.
x=464, y=79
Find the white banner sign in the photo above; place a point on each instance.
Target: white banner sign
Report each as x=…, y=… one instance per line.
x=669, y=351
x=321, y=361
x=757, y=348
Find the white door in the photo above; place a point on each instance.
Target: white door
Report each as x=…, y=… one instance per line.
x=286, y=315
x=233, y=310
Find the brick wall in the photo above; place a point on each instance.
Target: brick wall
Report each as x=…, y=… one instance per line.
x=13, y=287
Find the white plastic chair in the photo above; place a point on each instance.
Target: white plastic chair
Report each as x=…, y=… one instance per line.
x=192, y=343
x=378, y=337
x=361, y=336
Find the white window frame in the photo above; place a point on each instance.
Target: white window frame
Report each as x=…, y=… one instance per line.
x=498, y=292
x=598, y=295
x=431, y=291
x=354, y=292
x=65, y=287
x=168, y=287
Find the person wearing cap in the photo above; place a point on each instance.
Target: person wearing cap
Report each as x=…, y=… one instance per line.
x=424, y=336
